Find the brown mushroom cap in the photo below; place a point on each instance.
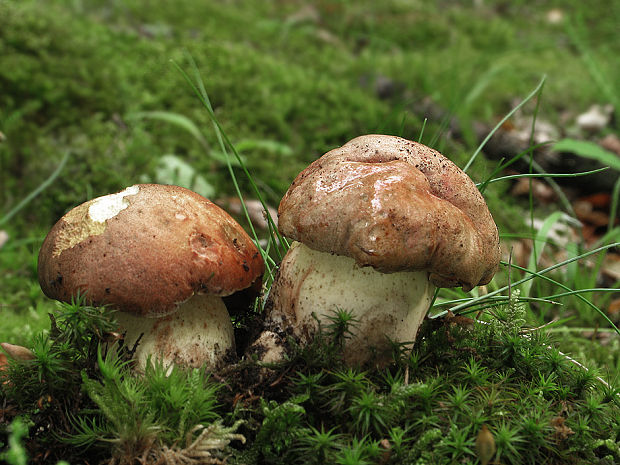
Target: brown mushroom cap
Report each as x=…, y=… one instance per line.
x=394, y=205
x=147, y=249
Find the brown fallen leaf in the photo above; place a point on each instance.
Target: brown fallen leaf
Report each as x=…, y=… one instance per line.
x=594, y=213
x=562, y=432
x=453, y=320
x=541, y=191
x=485, y=445
x=614, y=307
x=611, y=268
x=18, y=352
x=586, y=213
x=600, y=200
x=611, y=142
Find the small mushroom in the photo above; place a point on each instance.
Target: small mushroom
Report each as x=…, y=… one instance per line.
x=161, y=255
x=380, y=222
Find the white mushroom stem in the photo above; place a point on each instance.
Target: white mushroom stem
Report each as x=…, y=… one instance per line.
x=199, y=332
x=388, y=306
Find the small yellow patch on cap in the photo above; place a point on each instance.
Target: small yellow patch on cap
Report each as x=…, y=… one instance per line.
x=89, y=219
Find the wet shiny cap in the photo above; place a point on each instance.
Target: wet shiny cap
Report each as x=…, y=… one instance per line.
x=147, y=249
x=394, y=205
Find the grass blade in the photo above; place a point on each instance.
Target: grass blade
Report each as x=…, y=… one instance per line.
x=44, y=185
x=541, y=274
x=532, y=94
x=542, y=175
x=541, y=236
x=590, y=150
x=177, y=119
x=422, y=130
x=225, y=142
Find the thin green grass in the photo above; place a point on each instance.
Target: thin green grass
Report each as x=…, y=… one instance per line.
x=577, y=31
x=540, y=237
x=513, y=383
x=44, y=185
x=532, y=274
x=277, y=243
x=542, y=175
x=535, y=93
x=442, y=412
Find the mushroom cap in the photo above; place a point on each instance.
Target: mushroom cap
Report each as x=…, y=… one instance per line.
x=147, y=249
x=395, y=205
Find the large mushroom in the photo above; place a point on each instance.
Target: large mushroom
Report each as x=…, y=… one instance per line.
x=161, y=255
x=379, y=223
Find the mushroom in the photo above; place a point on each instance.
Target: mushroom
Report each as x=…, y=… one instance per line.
x=379, y=223
x=163, y=256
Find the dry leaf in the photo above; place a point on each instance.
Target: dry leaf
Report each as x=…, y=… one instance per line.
x=611, y=142
x=540, y=190
x=18, y=352
x=485, y=445
x=562, y=432
x=611, y=267
x=614, y=307
x=600, y=200
x=586, y=213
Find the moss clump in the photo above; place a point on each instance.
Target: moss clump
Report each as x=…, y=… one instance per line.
x=426, y=407
x=430, y=404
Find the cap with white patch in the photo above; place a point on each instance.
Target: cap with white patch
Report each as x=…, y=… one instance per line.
x=145, y=250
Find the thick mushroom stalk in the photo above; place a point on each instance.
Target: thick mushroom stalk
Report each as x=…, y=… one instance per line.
x=388, y=306
x=199, y=332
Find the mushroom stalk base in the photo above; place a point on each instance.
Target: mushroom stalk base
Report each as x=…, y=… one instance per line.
x=388, y=306
x=198, y=333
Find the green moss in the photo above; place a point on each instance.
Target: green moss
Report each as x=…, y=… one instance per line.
x=426, y=407
x=302, y=76
x=440, y=395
